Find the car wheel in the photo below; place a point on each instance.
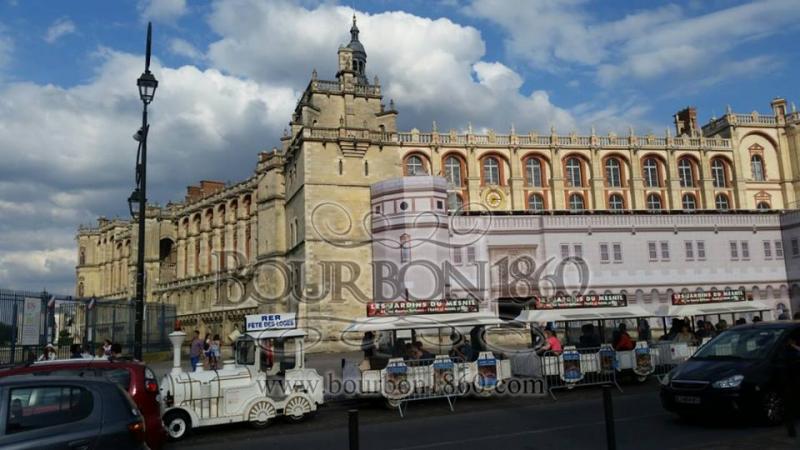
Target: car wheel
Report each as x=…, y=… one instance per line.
x=178, y=425
x=260, y=414
x=772, y=408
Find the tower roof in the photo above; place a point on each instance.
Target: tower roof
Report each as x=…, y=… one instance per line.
x=355, y=44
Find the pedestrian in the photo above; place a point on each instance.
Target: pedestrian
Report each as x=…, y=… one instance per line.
x=106, y=348
x=214, y=352
x=207, y=351
x=49, y=353
x=756, y=319
x=75, y=351
x=195, y=350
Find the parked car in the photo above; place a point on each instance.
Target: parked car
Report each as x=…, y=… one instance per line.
x=747, y=370
x=134, y=377
x=68, y=412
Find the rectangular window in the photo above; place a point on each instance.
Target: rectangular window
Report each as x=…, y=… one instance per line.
x=604, y=252
x=745, y=250
x=564, y=251
x=664, y=250
x=795, y=248
x=617, y=252
x=734, y=250
x=689, y=250
x=767, y=250
x=470, y=254
x=651, y=246
x=33, y=408
x=779, y=249
x=577, y=250
x=456, y=255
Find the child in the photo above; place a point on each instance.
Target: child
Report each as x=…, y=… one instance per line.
x=214, y=352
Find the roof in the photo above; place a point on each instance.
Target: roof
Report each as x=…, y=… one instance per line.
x=707, y=309
x=566, y=315
x=26, y=379
x=421, y=321
x=269, y=334
x=355, y=44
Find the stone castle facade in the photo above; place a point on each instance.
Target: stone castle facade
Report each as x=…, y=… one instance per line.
x=308, y=202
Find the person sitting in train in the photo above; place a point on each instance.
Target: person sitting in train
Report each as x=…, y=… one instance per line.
x=422, y=354
x=589, y=339
x=685, y=336
x=643, y=328
x=552, y=346
x=621, y=340
x=461, y=349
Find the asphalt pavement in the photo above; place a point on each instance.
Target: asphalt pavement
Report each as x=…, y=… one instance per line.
x=574, y=420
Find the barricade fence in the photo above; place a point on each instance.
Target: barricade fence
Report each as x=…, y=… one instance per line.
x=573, y=368
x=31, y=320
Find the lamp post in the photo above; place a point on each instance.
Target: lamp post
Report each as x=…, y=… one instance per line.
x=147, y=84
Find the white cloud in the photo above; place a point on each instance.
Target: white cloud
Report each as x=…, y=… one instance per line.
x=165, y=11
x=557, y=35
x=60, y=28
x=184, y=48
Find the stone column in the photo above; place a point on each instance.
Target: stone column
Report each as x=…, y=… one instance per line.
x=557, y=200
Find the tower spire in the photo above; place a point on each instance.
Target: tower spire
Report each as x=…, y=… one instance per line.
x=354, y=30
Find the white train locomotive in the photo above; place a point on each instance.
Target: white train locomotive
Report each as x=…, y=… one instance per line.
x=267, y=378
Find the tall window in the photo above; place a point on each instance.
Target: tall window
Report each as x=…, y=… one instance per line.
x=576, y=202
x=654, y=202
x=757, y=167
x=650, y=172
x=721, y=202
x=452, y=170
x=405, y=248
x=718, y=173
x=454, y=202
x=536, y=202
x=688, y=202
x=82, y=257
x=686, y=172
x=415, y=166
x=613, y=173
x=574, y=177
x=533, y=168
x=763, y=206
x=491, y=171
x=615, y=202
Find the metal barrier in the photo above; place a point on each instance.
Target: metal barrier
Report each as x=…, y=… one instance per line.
x=585, y=367
x=424, y=379
x=668, y=354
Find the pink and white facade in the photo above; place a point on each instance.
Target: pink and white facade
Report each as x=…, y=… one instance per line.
x=647, y=257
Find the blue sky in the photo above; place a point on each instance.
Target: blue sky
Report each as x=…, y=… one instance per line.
x=231, y=72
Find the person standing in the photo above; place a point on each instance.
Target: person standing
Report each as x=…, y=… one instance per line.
x=49, y=353
x=107, y=348
x=214, y=352
x=195, y=350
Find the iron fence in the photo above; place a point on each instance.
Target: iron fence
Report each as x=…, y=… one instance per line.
x=31, y=320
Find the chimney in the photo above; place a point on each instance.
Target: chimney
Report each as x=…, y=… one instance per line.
x=686, y=122
x=209, y=187
x=193, y=193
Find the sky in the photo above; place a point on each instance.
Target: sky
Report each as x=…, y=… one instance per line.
x=231, y=71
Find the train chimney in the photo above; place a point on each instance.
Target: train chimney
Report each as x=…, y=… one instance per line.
x=177, y=338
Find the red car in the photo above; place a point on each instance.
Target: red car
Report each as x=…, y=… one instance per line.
x=132, y=376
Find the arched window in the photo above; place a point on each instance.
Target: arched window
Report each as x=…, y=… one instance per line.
x=654, y=202
x=576, y=202
x=574, y=176
x=721, y=202
x=719, y=173
x=650, y=172
x=454, y=202
x=452, y=170
x=615, y=202
x=686, y=172
x=613, y=173
x=533, y=172
x=763, y=206
x=757, y=167
x=688, y=202
x=491, y=171
x=82, y=256
x=536, y=202
x=415, y=166
x=405, y=248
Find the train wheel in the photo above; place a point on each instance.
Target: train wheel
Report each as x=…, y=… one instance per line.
x=297, y=408
x=260, y=414
x=392, y=403
x=178, y=425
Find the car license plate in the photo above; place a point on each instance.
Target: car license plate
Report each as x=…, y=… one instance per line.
x=687, y=399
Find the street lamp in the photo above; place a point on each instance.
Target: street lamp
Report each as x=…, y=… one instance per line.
x=147, y=84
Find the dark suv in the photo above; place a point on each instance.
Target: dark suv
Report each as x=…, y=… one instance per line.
x=134, y=377
x=68, y=412
x=749, y=370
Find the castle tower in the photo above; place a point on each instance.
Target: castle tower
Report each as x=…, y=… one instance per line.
x=353, y=59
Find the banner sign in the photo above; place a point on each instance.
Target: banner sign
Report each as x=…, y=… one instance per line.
x=31, y=321
x=697, y=298
x=412, y=307
x=581, y=301
x=261, y=322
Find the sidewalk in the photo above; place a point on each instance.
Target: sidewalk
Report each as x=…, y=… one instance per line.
x=767, y=438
